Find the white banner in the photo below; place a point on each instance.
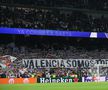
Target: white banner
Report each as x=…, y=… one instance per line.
x=64, y=63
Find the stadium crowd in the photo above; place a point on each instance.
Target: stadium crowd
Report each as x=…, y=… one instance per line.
x=41, y=18
x=49, y=51
x=46, y=47
x=56, y=19
x=82, y=4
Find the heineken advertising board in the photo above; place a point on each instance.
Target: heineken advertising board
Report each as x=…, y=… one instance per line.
x=57, y=80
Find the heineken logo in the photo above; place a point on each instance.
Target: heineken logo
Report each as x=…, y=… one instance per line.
x=55, y=80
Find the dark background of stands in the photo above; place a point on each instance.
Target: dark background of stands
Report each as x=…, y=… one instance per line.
x=79, y=15
x=82, y=4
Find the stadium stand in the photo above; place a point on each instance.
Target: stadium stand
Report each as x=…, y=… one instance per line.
x=51, y=14
x=83, y=4
x=41, y=18
x=44, y=47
